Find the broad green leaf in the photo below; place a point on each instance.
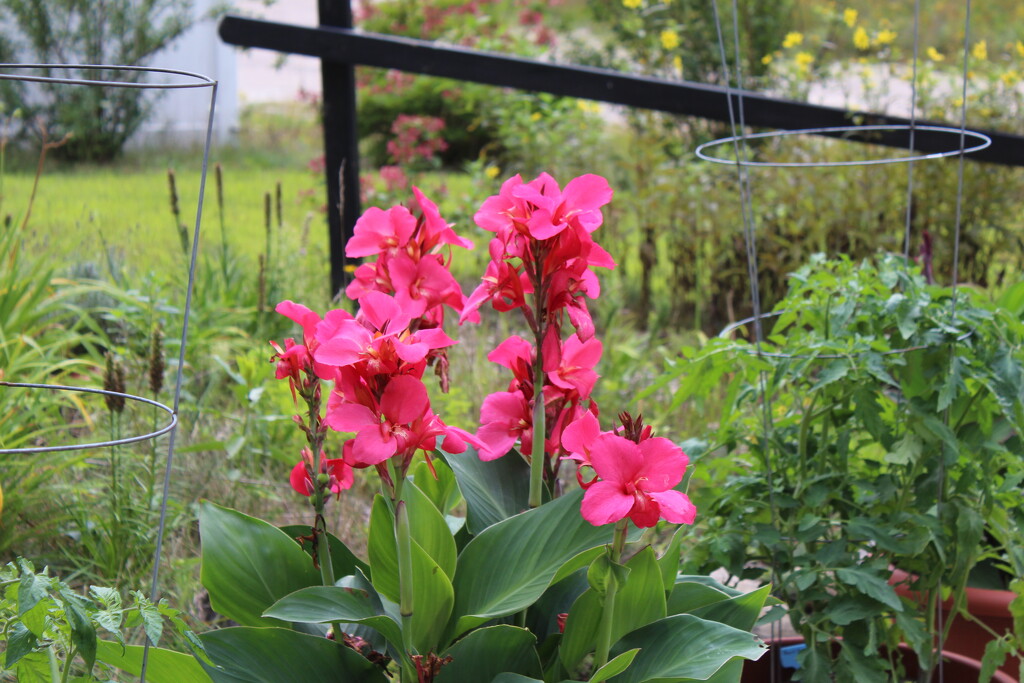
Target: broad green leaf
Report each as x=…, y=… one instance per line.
x=432, y=591
x=669, y=561
x=163, y=666
x=20, y=642
x=383, y=549
x=326, y=604
x=684, y=647
x=582, y=560
x=429, y=528
x=871, y=585
x=708, y=581
x=515, y=678
x=34, y=668
x=494, y=490
x=443, y=491
x=343, y=561
x=31, y=589
x=580, y=636
x=509, y=565
x=277, y=655
x=639, y=601
x=905, y=451
x=614, y=667
x=488, y=652
x=83, y=634
x=848, y=609
x=432, y=601
x=152, y=623
x=35, y=619
x=834, y=371
x=740, y=611
x=248, y=565
x=688, y=596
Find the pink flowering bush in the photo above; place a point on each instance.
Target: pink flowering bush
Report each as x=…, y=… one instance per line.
x=483, y=562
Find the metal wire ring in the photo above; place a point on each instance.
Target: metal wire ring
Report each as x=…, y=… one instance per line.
x=98, y=444
x=199, y=80
x=732, y=327
x=983, y=142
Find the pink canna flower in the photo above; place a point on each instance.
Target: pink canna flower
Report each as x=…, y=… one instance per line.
x=504, y=418
x=579, y=436
x=575, y=370
x=379, y=231
x=435, y=230
x=636, y=480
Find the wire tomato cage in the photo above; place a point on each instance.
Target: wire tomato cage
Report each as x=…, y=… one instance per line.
x=961, y=142
x=130, y=77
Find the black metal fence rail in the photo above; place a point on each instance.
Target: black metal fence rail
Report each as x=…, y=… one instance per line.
x=340, y=47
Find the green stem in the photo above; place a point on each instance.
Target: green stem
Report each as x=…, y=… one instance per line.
x=537, y=455
x=604, y=629
x=403, y=535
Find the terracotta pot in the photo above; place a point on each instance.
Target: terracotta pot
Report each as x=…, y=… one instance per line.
x=956, y=667
x=966, y=637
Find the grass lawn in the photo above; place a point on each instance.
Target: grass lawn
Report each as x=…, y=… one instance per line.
x=78, y=212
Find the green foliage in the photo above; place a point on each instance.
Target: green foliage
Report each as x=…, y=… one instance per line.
x=505, y=568
x=480, y=121
x=120, y=32
x=863, y=435
x=51, y=630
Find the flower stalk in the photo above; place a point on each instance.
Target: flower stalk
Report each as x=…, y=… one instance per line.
x=403, y=537
x=537, y=454
x=604, y=629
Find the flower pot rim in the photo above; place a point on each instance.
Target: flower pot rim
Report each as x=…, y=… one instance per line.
x=986, y=602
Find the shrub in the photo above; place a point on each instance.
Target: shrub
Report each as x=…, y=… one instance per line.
x=100, y=119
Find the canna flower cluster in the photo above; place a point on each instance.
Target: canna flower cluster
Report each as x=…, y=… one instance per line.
x=541, y=259
x=542, y=255
x=376, y=359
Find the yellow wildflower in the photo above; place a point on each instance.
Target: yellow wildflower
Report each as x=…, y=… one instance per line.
x=492, y=171
x=1010, y=78
x=860, y=39
x=980, y=50
x=935, y=55
x=669, y=39
x=850, y=17
x=588, y=107
x=886, y=36
x=632, y=4
x=804, y=60
x=792, y=39
x=535, y=116
x=677, y=62
x=1020, y=49
x=766, y=60
x=958, y=102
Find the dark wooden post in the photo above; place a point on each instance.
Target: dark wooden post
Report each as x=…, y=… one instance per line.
x=341, y=146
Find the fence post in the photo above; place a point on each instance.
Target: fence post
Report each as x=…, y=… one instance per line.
x=341, y=146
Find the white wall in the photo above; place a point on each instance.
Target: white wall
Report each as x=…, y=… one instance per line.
x=182, y=115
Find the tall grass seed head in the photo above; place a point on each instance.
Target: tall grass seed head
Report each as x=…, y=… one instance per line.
x=113, y=380
x=156, y=361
